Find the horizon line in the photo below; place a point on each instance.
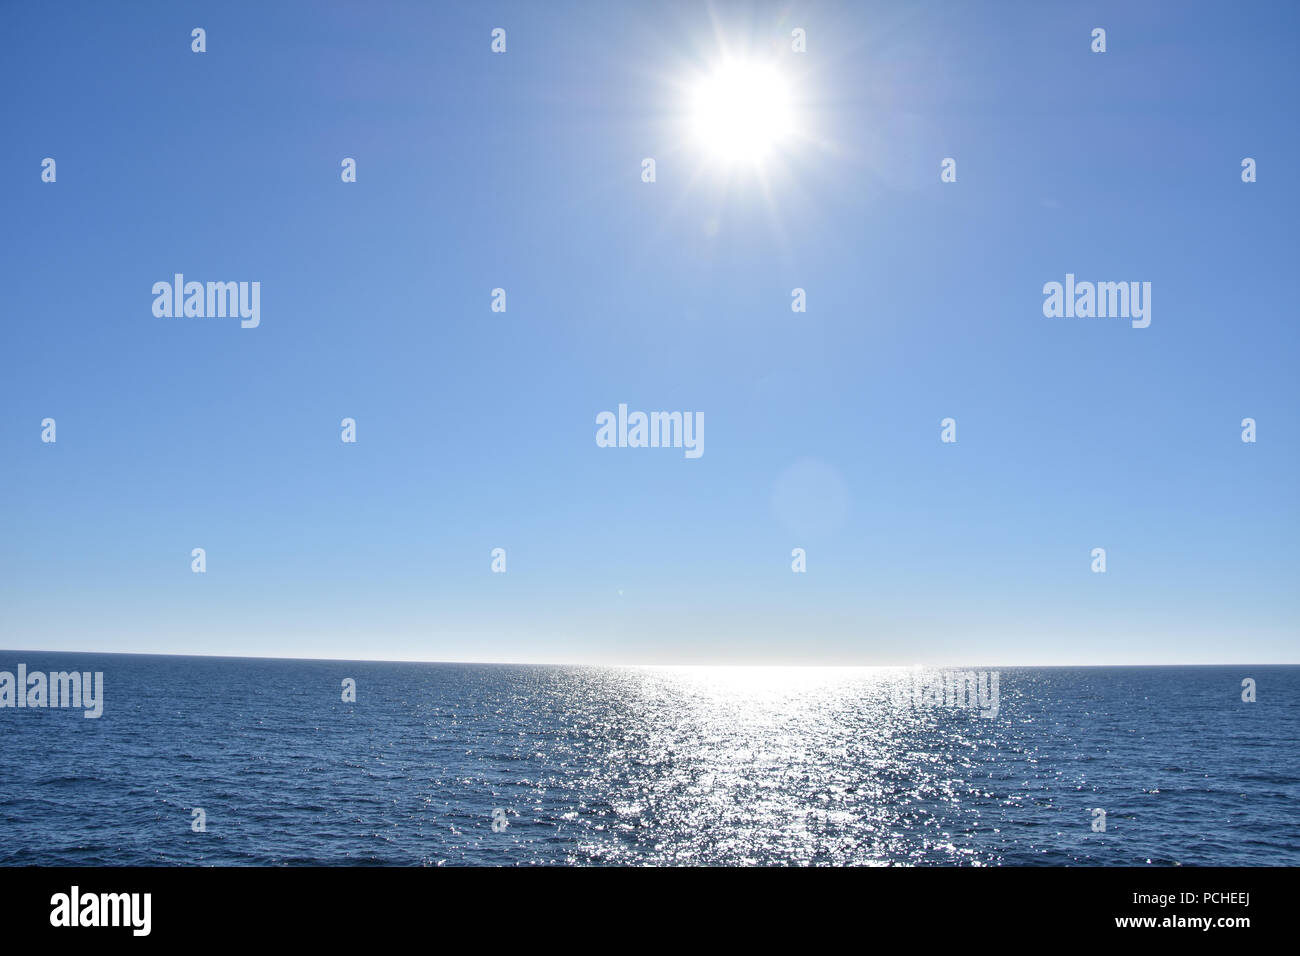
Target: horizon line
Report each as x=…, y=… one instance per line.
x=379, y=660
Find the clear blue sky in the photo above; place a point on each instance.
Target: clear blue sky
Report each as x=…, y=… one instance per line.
x=476, y=429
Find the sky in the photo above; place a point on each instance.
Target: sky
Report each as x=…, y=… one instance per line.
x=476, y=429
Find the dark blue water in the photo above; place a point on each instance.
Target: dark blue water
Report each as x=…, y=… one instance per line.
x=627, y=765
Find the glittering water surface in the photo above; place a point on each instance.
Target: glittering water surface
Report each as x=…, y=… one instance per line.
x=642, y=766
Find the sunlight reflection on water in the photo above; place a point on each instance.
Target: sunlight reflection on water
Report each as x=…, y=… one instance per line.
x=752, y=764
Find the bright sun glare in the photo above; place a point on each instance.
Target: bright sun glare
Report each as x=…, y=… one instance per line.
x=741, y=111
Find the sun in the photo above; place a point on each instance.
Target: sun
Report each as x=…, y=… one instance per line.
x=741, y=112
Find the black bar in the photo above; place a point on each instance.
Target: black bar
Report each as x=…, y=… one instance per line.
x=960, y=906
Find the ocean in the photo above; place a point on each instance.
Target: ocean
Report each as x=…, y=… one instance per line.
x=212, y=761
